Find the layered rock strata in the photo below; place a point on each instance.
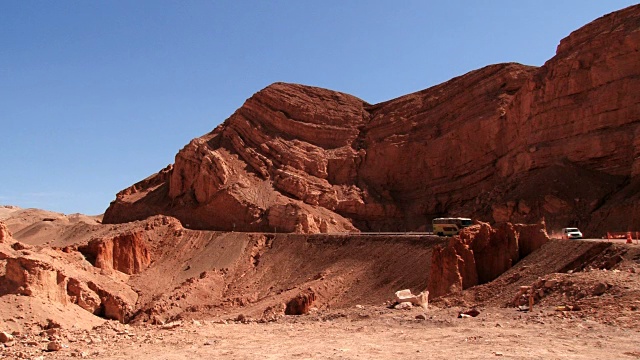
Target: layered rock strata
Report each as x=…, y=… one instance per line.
x=507, y=142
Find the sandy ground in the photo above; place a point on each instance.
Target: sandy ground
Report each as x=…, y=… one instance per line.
x=369, y=332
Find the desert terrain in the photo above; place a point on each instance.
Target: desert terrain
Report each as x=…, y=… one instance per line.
x=287, y=231
x=206, y=294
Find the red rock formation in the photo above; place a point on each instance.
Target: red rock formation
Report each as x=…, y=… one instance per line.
x=126, y=253
x=504, y=143
x=444, y=275
x=466, y=263
x=581, y=108
x=453, y=269
x=300, y=304
x=32, y=277
x=58, y=278
x=79, y=293
x=495, y=249
x=5, y=234
x=531, y=237
x=264, y=178
x=480, y=254
x=582, y=105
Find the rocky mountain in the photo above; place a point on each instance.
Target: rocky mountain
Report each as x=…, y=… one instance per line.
x=507, y=142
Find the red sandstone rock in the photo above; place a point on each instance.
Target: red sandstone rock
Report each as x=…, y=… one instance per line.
x=300, y=304
x=495, y=249
x=503, y=143
x=444, y=276
x=79, y=293
x=453, y=269
x=126, y=253
x=531, y=237
x=5, y=234
x=34, y=277
x=480, y=254
x=466, y=263
x=49, y=275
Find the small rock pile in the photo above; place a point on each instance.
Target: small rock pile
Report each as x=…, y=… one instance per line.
x=558, y=288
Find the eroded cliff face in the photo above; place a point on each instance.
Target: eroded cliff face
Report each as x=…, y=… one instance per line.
x=62, y=278
x=480, y=254
x=430, y=152
x=581, y=113
x=127, y=253
x=507, y=142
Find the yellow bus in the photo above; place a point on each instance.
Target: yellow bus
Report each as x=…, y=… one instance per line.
x=449, y=226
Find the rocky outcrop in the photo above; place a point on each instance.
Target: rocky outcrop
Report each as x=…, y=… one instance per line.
x=495, y=249
x=5, y=234
x=581, y=108
x=466, y=263
x=33, y=277
x=507, y=142
x=79, y=293
x=263, y=178
x=64, y=278
x=531, y=237
x=300, y=304
x=480, y=254
x=126, y=253
x=451, y=271
x=582, y=105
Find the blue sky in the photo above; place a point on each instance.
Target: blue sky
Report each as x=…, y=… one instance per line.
x=97, y=95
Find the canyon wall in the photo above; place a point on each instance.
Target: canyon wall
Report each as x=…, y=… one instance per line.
x=507, y=142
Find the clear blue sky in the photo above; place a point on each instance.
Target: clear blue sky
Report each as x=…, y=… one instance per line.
x=97, y=95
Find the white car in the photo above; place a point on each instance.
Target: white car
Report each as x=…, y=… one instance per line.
x=571, y=233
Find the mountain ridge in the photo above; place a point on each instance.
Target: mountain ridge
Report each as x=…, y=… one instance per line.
x=296, y=158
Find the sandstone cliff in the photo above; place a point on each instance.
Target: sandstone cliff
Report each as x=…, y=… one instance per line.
x=507, y=142
x=480, y=254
